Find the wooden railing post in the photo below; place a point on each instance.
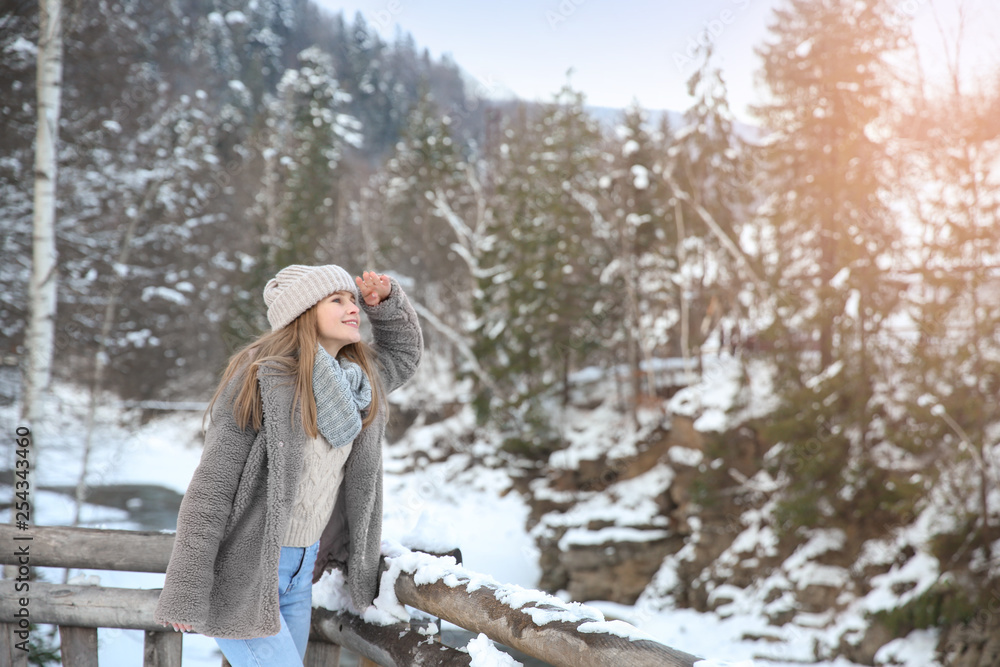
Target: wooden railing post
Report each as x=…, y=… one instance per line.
x=322, y=654
x=9, y=653
x=162, y=649
x=78, y=646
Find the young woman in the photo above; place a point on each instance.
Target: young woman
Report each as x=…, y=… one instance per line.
x=290, y=480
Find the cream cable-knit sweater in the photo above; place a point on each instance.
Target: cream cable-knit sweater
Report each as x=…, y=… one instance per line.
x=322, y=472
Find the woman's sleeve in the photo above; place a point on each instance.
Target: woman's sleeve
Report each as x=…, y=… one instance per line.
x=397, y=336
x=203, y=515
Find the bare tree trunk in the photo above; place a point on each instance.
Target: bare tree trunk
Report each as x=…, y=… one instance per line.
x=639, y=342
x=631, y=323
x=681, y=262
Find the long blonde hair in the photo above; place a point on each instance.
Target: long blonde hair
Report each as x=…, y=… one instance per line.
x=291, y=351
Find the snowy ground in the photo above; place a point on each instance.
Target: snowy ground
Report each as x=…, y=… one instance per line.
x=445, y=503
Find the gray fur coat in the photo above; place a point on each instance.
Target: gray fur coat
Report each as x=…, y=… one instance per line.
x=223, y=572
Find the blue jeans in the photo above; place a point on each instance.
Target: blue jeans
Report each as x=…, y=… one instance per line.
x=288, y=647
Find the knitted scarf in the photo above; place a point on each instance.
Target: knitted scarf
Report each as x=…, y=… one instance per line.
x=342, y=390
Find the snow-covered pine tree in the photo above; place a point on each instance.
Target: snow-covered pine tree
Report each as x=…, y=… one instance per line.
x=314, y=130
x=426, y=180
x=297, y=211
x=639, y=282
x=362, y=61
x=827, y=246
x=951, y=411
x=536, y=319
x=500, y=337
x=240, y=54
x=709, y=173
x=385, y=80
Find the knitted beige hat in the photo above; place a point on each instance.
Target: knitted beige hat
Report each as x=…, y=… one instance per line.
x=297, y=288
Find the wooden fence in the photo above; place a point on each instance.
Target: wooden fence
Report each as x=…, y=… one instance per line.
x=80, y=610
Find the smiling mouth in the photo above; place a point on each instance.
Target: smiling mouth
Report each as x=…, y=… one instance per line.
x=352, y=323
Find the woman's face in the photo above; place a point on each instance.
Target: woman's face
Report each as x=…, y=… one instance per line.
x=338, y=321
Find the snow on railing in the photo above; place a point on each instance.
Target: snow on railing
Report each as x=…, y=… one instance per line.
x=531, y=621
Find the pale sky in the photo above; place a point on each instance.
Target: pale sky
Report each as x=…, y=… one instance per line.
x=627, y=50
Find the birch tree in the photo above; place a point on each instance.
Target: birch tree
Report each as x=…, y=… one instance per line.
x=42, y=294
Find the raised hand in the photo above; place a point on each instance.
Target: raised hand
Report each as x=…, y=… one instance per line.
x=374, y=288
